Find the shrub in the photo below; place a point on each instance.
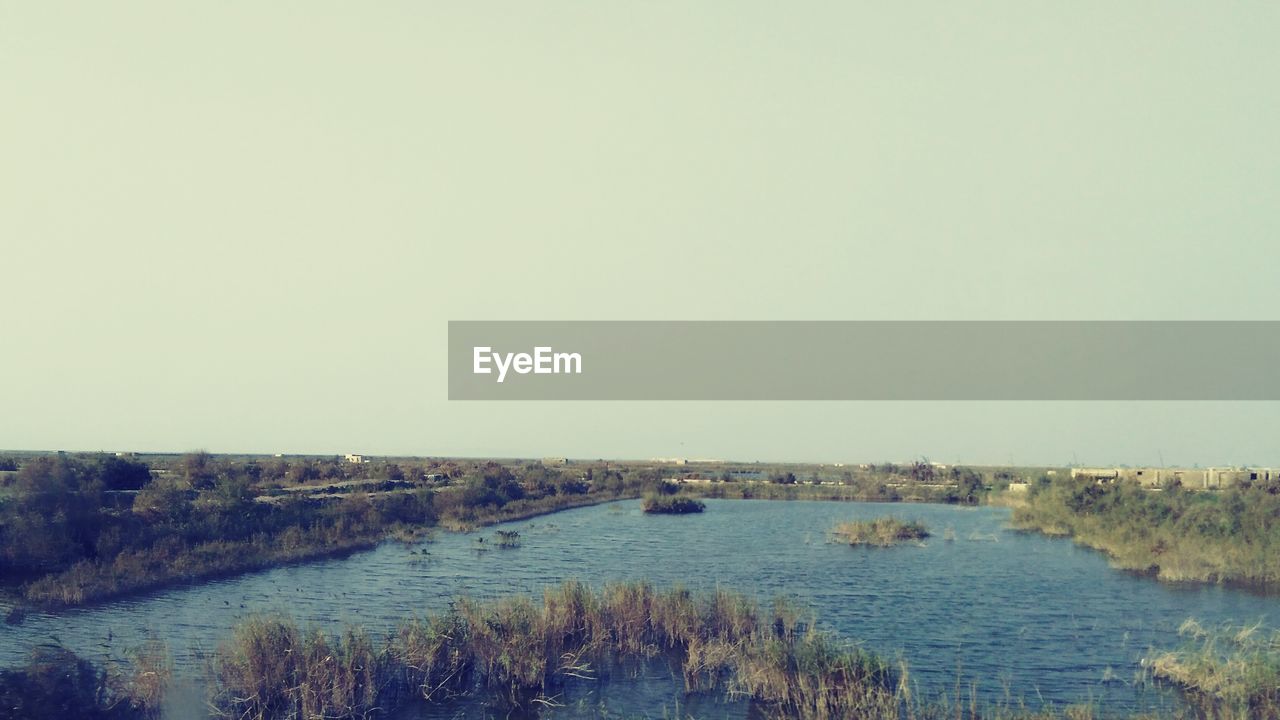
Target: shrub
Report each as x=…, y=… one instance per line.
x=672, y=504
x=880, y=532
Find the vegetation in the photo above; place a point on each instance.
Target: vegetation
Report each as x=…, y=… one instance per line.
x=507, y=539
x=1172, y=533
x=57, y=684
x=680, y=504
x=516, y=653
x=880, y=532
x=884, y=483
x=80, y=528
x=1228, y=673
x=75, y=529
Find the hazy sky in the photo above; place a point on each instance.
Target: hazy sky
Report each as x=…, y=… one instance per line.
x=243, y=226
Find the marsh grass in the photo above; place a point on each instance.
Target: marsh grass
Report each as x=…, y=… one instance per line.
x=679, y=504
x=517, y=653
x=880, y=532
x=56, y=684
x=1227, y=673
x=273, y=669
x=411, y=535
x=507, y=539
x=144, y=569
x=1174, y=535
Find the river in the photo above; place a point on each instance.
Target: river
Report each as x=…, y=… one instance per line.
x=1019, y=614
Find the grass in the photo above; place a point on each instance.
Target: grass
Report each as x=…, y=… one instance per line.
x=1172, y=534
x=56, y=684
x=327, y=530
x=516, y=652
x=81, y=528
x=1228, y=673
x=679, y=504
x=147, y=568
x=880, y=532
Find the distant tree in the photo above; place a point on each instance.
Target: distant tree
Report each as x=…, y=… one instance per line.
x=198, y=469
x=51, y=485
x=922, y=471
x=301, y=471
x=56, y=516
x=163, y=500
x=121, y=474
x=228, y=496
x=969, y=486
x=571, y=486
x=253, y=471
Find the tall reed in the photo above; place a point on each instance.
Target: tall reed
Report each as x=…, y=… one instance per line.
x=515, y=652
x=1227, y=673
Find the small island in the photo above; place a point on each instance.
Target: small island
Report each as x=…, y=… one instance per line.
x=672, y=505
x=881, y=532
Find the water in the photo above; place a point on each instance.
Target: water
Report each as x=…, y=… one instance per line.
x=1026, y=616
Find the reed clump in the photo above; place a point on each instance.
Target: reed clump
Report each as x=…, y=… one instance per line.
x=679, y=504
x=55, y=684
x=1227, y=673
x=516, y=652
x=507, y=539
x=880, y=532
x=273, y=669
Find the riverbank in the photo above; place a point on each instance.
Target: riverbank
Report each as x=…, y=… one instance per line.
x=945, y=494
x=359, y=522
x=79, y=529
x=169, y=564
x=1172, y=534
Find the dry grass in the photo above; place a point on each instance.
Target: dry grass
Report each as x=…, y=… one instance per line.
x=1227, y=673
x=517, y=652
x=880, y=532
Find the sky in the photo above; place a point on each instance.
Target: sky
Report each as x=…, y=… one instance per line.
x=243, y=227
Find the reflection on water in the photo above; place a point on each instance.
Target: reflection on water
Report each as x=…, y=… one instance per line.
x=1019, y=614
x=636, y=688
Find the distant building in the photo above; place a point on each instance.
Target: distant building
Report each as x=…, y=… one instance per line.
x=1190, y=478
x=554, y=461
x=355, y=459
x=1099, y=474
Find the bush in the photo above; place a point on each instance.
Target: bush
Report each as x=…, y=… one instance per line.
x=672, y=504
x=56, y=684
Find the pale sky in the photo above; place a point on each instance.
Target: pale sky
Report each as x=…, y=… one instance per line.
x=243, y=226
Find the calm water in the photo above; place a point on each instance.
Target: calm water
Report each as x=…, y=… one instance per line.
x=1029, y=616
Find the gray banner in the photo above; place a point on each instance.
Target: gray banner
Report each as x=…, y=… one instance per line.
x=864, y=360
